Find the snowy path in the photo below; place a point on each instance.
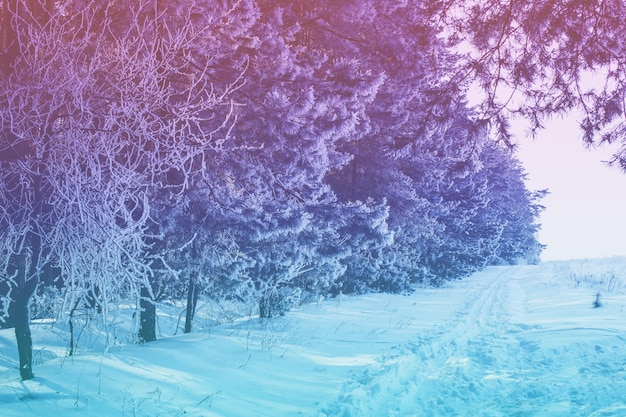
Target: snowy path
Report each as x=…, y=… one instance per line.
x=494, y=357
x=508, y=341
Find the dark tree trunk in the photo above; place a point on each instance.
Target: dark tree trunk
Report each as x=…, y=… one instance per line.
x=19, y=316
x=264, y=309
x=23, y=337
x=71, y=323
x=71, y=352
x=147, y=317
x=268, y=305
x=192, y=300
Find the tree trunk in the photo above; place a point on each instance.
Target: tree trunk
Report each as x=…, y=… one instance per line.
x=268, y=305
x=264, y=308
x=192, y=300
x=19, y=315
x=147, y=317
x=23, y=337
x=71, y=322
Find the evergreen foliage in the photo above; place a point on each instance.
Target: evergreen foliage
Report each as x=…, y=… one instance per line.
x=263, y=151
x=540, y=59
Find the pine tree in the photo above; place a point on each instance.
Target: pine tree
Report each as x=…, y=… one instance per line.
x=540, y=59
x=297, y=110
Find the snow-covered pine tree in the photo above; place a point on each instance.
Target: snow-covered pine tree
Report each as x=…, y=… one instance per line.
x=299, y=108
x=422, y=152
x=400, y=160
x=513, y=210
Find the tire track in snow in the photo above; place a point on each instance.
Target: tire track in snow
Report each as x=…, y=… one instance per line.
x=483, y=363
x=398, y=376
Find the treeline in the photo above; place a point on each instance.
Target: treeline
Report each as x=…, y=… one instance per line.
x=254, y=150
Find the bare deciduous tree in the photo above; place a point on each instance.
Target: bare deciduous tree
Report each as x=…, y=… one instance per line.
x=100, y=126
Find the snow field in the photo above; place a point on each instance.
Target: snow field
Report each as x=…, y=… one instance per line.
x=521, y=346
x=509, y=341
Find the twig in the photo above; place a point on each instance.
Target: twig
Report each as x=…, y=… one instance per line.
x=245, y=364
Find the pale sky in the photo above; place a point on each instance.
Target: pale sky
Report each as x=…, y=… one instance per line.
x=585, y=214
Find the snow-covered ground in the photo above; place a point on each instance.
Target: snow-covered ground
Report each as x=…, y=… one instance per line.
x=508, y=341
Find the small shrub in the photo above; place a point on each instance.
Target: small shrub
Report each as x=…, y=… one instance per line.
x=597, y=303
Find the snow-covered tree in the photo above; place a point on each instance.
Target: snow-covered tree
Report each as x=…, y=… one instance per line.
x=250, y=149
x=512, y=211
x=299, y=107
x=95, y=119
x=422, y=154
